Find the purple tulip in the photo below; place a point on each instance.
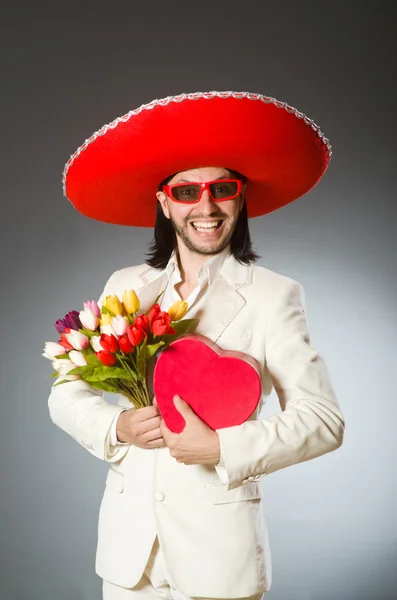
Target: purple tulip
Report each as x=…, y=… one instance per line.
x=60, y=326
x=72, y=320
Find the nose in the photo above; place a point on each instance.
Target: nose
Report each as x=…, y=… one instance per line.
x=206, y=202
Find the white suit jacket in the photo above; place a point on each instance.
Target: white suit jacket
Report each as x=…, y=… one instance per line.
x=214, y=535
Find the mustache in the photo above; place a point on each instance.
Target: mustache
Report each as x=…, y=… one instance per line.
x=204, y=217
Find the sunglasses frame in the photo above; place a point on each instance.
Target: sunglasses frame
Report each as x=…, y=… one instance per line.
x=168, y=189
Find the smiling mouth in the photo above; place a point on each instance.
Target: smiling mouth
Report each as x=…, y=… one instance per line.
x=203, y=226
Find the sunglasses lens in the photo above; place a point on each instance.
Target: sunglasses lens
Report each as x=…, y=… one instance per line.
x=186, y=193
x=224, y=189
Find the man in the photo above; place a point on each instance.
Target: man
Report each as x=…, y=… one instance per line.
x=181, y=516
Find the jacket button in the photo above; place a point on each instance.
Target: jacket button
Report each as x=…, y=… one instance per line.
x=159, y=496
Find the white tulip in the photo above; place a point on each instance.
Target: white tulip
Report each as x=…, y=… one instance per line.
x=95, y=343
x=108, y=329
x=63, y=365
x=52, y=349
x=120, y=324
x=77, y=358
x=88, y=319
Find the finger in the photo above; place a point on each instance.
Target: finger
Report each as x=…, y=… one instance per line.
x=149, y=425
x=146, y=412
x=151, y=435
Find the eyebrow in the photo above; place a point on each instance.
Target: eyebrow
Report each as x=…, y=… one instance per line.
x=192, y=181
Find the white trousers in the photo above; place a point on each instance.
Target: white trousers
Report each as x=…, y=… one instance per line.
x=156, y=582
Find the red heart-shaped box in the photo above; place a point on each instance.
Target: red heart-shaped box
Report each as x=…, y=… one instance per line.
x=223, y=387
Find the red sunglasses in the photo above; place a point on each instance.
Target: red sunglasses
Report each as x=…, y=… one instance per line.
x=189, y=193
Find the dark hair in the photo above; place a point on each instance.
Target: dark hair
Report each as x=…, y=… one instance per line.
x=164, y=239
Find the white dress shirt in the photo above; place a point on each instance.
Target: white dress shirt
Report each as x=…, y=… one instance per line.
x=205, y=276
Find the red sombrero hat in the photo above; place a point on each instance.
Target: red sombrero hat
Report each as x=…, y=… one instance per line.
x=113, y=177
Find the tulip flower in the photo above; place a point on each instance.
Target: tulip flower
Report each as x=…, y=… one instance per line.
x=52, y=349
x=88, y=319
x=77, y=358
x=60, y=325
x=72, y=320
x=109, y=342
x=161, y=324
x=153, y=313
x=64, y=342
x=113, y=304
x=93, y=307
x=142, y=322
x=125, y=345
x=108, y=329
x=136, y=335
x=120, y=324
x=105, y=319
x=177, y=310
x=95, y=342
x=107, y=358
x=78, y=340
x=63, y=365
x=131, y=301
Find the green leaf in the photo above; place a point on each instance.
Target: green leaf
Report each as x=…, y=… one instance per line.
x=63, y=356
x=181, y=327
x=60, y=382
x=155, y=302
x=141, y=358
x=151, y=349
x=101, y=385
x=106, y=311
x=93, y=360
x=103, y=373
x=81, y=370
x=184, y=326
x=89, y=333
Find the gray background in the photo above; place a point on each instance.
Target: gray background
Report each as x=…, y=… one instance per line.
x=67, y=70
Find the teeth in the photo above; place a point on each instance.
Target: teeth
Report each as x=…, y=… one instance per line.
x=205, y=226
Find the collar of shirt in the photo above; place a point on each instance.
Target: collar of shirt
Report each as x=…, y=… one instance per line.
x=207, y=271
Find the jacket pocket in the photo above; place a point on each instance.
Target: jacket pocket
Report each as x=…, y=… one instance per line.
x=219, y=494
x=115, y=481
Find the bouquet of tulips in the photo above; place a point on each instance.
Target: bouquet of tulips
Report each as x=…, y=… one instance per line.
x=110, y=347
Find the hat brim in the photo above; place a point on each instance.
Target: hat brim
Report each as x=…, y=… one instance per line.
x=113, y=177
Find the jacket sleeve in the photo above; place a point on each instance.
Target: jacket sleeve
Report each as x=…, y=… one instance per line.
x=311, y=422
x=83, y=413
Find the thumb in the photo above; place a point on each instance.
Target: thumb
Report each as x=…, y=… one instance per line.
x=182, y=406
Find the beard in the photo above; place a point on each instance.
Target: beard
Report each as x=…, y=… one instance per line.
x=210, y=248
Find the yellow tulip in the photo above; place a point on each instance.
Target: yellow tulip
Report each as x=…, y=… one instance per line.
x=113, y=303
x=177, y=310
x=105, y=319
x=131, y=301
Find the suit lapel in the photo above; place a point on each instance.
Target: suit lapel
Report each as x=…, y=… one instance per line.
x=222, y=303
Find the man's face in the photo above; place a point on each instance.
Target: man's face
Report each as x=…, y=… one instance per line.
x=187, y=218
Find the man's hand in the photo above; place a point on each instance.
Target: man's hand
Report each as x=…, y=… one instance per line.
x=141, y=427
x=197, y=444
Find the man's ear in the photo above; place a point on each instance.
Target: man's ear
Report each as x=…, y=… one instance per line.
x=162, y=198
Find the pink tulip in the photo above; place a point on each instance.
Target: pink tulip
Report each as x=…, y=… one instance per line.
x=78, y=340
x=93, y=307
